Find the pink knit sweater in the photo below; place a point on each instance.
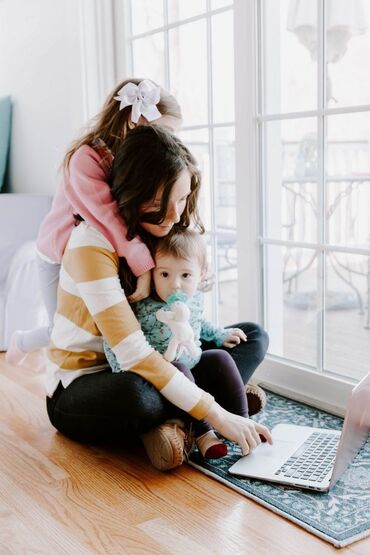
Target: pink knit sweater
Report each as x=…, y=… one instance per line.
x=84, y=191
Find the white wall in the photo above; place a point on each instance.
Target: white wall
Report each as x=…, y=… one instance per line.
x=40, y=67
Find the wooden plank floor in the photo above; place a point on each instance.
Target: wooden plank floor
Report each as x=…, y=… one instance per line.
x=59, y=497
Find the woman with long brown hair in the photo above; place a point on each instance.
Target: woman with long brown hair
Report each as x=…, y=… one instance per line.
x=155, y=182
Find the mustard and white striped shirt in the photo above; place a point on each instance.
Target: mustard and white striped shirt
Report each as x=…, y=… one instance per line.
x=92, y=304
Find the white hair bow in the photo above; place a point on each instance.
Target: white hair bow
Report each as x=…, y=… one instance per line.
x=143, y=99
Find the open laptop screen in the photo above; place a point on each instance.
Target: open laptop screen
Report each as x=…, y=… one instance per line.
x=356, y=428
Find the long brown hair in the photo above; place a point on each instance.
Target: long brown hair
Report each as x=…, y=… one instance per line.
x=149, y=158
x=112, y=124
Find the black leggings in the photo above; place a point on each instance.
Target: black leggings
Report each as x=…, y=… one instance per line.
x=107, y=406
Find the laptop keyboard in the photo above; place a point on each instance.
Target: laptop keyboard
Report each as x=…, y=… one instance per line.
x=313, y=460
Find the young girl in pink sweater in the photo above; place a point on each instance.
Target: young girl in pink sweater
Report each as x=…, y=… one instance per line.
x=83, y=190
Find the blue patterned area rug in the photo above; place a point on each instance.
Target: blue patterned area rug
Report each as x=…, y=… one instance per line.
x=340, y=516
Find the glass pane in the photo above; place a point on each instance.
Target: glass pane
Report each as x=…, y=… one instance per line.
x=148, y=58
x=224, y=168
x=225, y=212
x=183, y=10
x=209, y=296
x=146, y=15
x=227, y=279
x=290, y=166
x=347, y=346
x=348, y=53
x=223, y=67
x=198, y=142
x=289, y=46
x=348, y=179
x=291, y=302
x=188, y=70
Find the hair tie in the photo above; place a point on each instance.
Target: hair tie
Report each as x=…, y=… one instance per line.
x=142, y=97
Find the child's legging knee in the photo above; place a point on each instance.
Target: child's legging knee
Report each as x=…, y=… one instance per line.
x=217, y=373
x=249, y=354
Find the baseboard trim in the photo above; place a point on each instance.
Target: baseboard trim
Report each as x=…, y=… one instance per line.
x=326, y=392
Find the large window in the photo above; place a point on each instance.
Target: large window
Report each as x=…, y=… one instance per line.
x=314, y=128
x=187, y=46
x=276, y=103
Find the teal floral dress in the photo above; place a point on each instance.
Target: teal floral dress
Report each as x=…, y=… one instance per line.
x=159, y=334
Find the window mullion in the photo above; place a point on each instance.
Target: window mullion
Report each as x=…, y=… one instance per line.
x=315, y=246
x=246, y=155
x=208, y=126
x=166, y=45
x=167, y=26
x=130, y=55
x=215, y=297
x=314, y=113
x=321, y=257
x=261, y=193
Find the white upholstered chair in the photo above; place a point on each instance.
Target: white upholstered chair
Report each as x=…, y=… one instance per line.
x=20, y=298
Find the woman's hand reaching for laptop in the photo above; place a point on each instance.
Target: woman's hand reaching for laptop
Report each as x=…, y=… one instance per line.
x=243, y=431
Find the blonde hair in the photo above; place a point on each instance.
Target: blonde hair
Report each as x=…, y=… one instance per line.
x=187, y=244
x=112, y=124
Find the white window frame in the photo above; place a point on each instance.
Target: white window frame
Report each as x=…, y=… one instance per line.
x=325, y=391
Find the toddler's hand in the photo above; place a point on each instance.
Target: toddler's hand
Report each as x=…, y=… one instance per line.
x=142, y=288
x=234, y=337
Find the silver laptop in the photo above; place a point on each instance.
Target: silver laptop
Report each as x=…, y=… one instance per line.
x=312, y=458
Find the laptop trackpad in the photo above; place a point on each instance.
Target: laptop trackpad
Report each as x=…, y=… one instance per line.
x=265, y=459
